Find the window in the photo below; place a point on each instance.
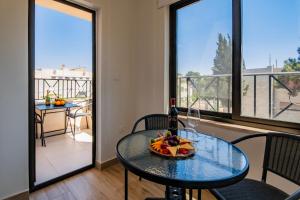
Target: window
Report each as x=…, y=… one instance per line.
x=271, y=59
x=237, y=59
x=204, y=56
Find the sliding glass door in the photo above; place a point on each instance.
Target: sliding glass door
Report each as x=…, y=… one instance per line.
x=64, y=89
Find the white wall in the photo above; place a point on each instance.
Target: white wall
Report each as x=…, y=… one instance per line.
x=150, y=58
x=115, y=74
x=13, y=97
x=131, y=67
x=133, y=64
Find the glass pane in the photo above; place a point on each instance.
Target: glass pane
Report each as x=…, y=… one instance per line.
x=204, y=55
x=271, y=59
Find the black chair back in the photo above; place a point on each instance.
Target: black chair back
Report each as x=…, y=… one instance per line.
x=282, y=156
x=155, y=122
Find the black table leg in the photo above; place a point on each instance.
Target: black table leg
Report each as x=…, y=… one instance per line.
x=175, y=193
x=66, y=111
x=42, y=133
x=126, y=184
x=199, y=194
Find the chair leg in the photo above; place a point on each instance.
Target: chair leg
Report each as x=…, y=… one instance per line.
x=140, y=178
x=68, y=120
x=36, y=132
x=43, y=136
x=86, y=121
x=74, y=128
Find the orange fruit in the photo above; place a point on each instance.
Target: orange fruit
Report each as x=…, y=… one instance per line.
x=57, y=103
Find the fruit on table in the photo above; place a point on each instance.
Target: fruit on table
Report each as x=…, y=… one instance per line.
x=164, y=146
x=183, y=141
x=186, y=146
x=173, y=150
x=165, y=151
x=172, y=140
x=156, y=139
x=183, y=151
x=157, y=145
x=59, y=102
x=171, y=144
x=168, y=133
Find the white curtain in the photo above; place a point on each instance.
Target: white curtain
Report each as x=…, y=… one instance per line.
x=162, y=3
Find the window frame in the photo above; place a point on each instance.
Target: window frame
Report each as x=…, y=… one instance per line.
x=235, y=117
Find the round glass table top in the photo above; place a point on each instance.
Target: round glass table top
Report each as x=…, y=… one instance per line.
x=216, y=163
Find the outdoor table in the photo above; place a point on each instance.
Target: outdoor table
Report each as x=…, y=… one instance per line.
x=50, y=109
x=216, y=162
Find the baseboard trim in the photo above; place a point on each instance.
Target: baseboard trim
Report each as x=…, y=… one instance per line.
x=20, y=196
x=106, y=164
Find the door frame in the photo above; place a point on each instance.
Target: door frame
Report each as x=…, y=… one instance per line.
x=31, y=96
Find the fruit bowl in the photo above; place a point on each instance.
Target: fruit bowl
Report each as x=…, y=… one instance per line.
x=172, y=146
x=59, y=102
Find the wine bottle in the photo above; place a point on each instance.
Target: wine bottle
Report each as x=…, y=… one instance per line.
x=47, y=99
x=173, y=120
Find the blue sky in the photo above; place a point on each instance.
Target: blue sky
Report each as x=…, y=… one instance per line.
x=62, y=39
x=270, y=28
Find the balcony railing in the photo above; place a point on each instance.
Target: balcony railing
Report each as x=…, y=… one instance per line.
x=63, y=88
x=264, y=95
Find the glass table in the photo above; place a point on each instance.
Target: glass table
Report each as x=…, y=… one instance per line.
x=216, y=162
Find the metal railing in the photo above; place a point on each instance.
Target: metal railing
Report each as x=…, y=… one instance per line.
x=63, y=88
x=215, y=91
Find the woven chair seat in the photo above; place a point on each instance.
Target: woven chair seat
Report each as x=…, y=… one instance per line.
x=249, y=189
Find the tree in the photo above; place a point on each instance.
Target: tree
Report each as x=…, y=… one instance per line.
x=223, y=58
x=291, y=65
x=193, y=74
x=291, y=81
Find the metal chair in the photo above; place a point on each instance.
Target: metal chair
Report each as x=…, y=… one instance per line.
x=282, y=157
x=39, y=120
x=155, y=122
x=82, y=111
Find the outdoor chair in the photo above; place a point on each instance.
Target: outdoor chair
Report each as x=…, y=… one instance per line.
x=282, y=156
x=83, y=111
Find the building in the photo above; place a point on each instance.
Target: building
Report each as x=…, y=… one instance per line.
x=66, y=73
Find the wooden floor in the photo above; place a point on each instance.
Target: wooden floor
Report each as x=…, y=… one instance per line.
x=107, y=184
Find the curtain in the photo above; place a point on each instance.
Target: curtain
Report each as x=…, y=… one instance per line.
x=162, y=3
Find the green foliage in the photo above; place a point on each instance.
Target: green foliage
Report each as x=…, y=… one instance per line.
x=223, y=58
x=193, y=74
x=291, y=65
x=291, y=81
x=210, y=88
